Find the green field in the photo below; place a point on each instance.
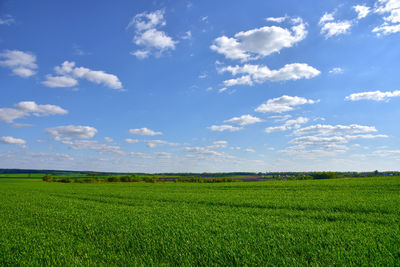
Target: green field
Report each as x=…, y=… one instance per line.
x=315, y=222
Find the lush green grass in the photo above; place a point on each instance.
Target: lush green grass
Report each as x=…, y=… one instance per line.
x=318, y=222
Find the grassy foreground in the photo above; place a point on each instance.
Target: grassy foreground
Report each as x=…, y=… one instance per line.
x=318, y=222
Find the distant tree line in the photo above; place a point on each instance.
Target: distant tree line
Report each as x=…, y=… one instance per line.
x=136, y=178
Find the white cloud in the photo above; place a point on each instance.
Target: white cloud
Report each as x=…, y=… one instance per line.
x=218, y=144
x=244, y=120
x=391, y=10
x=69, y=73
x=394, y=16
x=99, y=77
x=279, y=118
x=260, y=42
x=326, y=129
x=336, y=70
x=148, y=36
x=221, y=128
x=9, y=140
x=362, y=11
x=298, y=121
x=163, y=155
x=59, y=81
x=260, y=74
x=72, y=131
x=203, y=75
x=326, y=17
x=187, y=36
x=390, y=7
x=29, y=108
x=93, y=145
x=6, y=20
x=145, y=21
x=289, y=124
x=277, y=19
x=386, y=153
x=10, y=114
x=365, y=136
x=276, y=129
x=387, y=29
x=155, y=39
x=284, y=103
x=243, y=80
x=141, y=54
x=203, y=151
x=131, y=141
x=319, y=141
x=328, y=142
x=140, y=155
x=24, y=72
x=299, y=152
x=375, y=96
x=39, y=110
x=249, y=150
x=144, y=131
x=108, y=139
x=156, y=143
x=330, y=27
x=78, y=51
x=21, y=63
x=384, y=6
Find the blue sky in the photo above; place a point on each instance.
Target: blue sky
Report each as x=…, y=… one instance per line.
x=171, y=86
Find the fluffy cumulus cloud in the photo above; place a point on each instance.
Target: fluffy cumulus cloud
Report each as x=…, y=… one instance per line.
x=362, y=11
x=326, y=129
x=59, y=81
x=330, y=27
x=29, y=108
x=221, y=128
x=259, y=74
x=288, y=125
x=260, y=42
x=243, y=120
x=21, y=63
x=374, y=95
x=148, y=36
x=282, y=104
x=68, y=74
x=72, y=131
x=390, y=10
x=144, y=131
x=9, y=140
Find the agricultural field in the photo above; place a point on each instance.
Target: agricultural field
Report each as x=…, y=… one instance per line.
x=349, y=221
